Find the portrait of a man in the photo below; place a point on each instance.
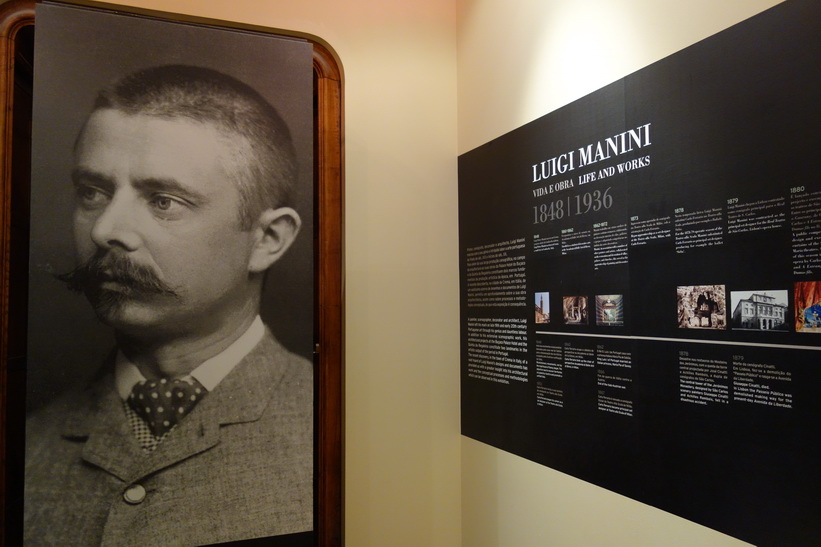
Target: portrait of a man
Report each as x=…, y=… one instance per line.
x=197, y=425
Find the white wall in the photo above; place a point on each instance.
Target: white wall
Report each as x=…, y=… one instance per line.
x=519, y=60
x=402, y=397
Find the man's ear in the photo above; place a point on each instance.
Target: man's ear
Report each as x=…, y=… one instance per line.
x=274, y=232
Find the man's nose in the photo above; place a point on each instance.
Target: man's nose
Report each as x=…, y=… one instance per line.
x=117, y=225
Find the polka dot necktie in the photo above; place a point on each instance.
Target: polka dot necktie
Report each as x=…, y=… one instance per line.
x=163, y=403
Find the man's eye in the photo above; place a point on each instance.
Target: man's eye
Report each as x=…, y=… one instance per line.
x=166, y=204
x=91, y=196
x=163, y=203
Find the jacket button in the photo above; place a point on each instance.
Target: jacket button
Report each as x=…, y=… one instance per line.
x=134, y=494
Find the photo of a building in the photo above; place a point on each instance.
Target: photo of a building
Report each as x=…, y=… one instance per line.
x=542, y=307
x=759, y=310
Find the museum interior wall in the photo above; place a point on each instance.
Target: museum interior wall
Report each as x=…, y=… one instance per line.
x=426, y=80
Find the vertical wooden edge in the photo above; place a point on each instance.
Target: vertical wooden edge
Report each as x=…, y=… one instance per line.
x=17, y=14
x=14, y=16
x=330, y=297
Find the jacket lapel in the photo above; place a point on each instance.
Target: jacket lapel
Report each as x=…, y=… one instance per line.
x=101, y=421
x=241, y=397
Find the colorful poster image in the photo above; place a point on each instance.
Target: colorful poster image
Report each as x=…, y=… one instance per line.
x=808, y=307
x=575, y=310
x=759, y=310
x=543, y=308
x=702, y=307
x=610, y=310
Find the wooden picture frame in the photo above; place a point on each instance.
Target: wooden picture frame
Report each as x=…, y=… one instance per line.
x=17, y=19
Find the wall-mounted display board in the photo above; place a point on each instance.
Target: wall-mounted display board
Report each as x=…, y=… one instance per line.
x=641, y=283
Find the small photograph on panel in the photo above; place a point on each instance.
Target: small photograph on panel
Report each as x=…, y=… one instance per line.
x=807, y=297
x=759, y=310
x=575, y=310
x=610, y=310
x=543, y=308
x=702, y=307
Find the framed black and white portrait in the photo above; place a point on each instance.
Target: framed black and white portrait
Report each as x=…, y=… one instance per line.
x=185, y=194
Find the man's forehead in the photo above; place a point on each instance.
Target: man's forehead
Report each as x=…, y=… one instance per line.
x=158, y=133
x=117, y=120
x=119, y=145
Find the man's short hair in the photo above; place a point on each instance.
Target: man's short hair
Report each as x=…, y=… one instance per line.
x=266, y=165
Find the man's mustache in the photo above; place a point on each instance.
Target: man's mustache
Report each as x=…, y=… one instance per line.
x=136, y=278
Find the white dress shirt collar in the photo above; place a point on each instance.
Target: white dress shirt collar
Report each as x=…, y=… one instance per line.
x=209, y=373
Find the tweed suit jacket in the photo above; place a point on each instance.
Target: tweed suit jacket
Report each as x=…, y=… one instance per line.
x=238, y=466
